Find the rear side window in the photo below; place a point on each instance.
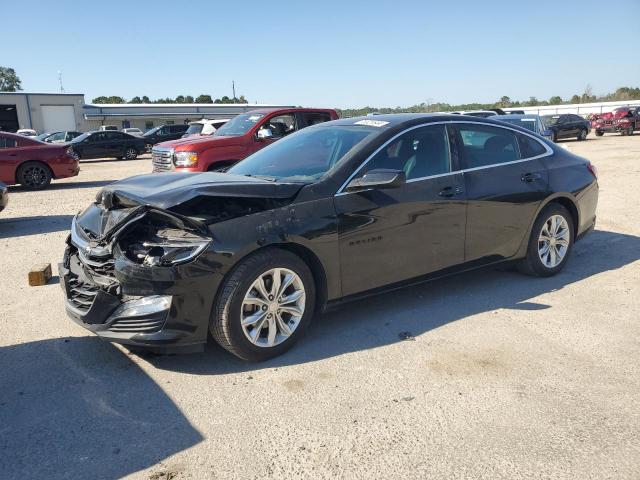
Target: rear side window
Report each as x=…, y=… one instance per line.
x=484, y=145
x=315, y=118
x=529, y=147
x=7, y=142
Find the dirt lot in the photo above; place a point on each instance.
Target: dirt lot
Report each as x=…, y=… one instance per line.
x=503, y=376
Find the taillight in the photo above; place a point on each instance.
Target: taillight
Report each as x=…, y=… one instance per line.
x=592, y=168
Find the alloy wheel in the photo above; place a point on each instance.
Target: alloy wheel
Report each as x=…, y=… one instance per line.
x=273, y=307
x=583, y=135
x=553, y=241
x=34, y=177
x=130, y=154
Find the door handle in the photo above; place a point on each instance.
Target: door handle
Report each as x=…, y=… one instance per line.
x=448, y=192
x=530, y=177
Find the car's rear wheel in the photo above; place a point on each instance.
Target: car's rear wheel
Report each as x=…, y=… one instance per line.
x=264, y=305
x=630, y=130
x=599, y=133
x=148, y=147
x=34, y=175
x=130, y=153
x=583, y=134
x=550, y=243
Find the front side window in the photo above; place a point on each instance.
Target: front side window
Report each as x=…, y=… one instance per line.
x=305, y=156
x=7, y=142
x=56, y=137
x=280, y=126
x=420, y=152
x=484, y=145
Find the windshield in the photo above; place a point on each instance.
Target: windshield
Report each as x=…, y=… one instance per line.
x=529, y=123
x=152, y=131
x=304, y=156
x=238, y=125
x=194, y=128
x=42, y=136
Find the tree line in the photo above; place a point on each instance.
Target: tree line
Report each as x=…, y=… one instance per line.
x=178, y=99
x=621, y=94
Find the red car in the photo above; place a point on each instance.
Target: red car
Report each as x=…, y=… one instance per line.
x=238, y=138
x=32, y=163
x=623, y=120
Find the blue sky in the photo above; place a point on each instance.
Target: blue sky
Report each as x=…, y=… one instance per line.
x=325, y=53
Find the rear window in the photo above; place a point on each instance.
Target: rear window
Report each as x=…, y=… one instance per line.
x=529, y=147
x=194, y=129
x=315, y=118
x=7, y=142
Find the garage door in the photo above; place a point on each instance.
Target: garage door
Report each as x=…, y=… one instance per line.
x=58, y=117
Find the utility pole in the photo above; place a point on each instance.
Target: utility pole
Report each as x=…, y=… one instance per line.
x=233, y=86
x=60, y=81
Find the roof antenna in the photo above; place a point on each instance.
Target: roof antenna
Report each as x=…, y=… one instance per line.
x=60, y=80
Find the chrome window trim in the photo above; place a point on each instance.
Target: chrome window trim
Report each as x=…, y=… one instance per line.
x=548, y=152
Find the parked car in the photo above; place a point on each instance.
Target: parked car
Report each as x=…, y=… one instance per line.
x=238, y=138
x=567, y=125
x=163, y=133
x=204, y=127
x=104, y=144
x=32, y=163
x=136, y=132
x=108, y=128
x=58, y=137
x=529, y=121
x=622, y=120
x=27, y=132
x=477, y=113
x=4, y=196
x=333, y=212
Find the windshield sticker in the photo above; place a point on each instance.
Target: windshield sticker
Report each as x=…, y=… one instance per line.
x=372, y=123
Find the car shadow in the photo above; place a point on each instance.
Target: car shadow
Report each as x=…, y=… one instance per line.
x=413, y=311
x=26, y=226
x=144, y=156
x=81, y=408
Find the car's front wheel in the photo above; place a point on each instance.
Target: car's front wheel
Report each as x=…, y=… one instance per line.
x=583, y=134
x=550, y=243
x=130, y=153
x=264, y=305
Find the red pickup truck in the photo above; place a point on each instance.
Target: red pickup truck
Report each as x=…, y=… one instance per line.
x=33, y=163
x=238, y=138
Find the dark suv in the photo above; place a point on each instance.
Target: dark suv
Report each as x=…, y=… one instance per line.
x=567, y=125
x=163, y=133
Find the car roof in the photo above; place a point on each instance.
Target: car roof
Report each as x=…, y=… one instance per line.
x=290, y=109
x=11, y=135
x=393, y=119
x=516, y=116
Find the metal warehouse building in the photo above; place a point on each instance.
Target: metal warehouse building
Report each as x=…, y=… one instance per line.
x=47, y=112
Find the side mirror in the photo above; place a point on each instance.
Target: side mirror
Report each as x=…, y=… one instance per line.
x=378, y=178
x=264, y=133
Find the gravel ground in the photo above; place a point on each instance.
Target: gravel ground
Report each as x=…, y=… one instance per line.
x=486, y=375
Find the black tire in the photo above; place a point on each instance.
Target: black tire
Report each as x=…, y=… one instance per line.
x=599, y=133
x=554, y=137
x=34, y=175
x=148, y=147
x=630, y=130
x=532, y=263
x=130, y=153
x=583, y=134
x=224, y=323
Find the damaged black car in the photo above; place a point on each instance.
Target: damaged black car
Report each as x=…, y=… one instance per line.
x=331, y=213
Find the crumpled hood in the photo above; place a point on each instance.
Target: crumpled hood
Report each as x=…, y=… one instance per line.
x=167, y=190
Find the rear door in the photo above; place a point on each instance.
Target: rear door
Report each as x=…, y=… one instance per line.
x=505, y=181
x=9, y=159
x=567, y=127
x=390, y=235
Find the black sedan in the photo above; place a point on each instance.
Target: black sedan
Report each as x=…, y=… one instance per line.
x=4, y=196
x=567, y=126
x=106, y=144
x=333, y=212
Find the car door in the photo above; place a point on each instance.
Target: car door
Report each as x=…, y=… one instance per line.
x=505, y=181
x=567, y=127
x=279, y=125
x=93, y=145
x=9, y=159
x=391, y=235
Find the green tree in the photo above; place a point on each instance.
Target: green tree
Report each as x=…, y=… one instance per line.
x=555, y=100
x=135, y=99
x=112, y=99
x=533, y=101
x=188, y=99
x=204, y=99
x=145, y=99
x=504, y=102
x=575, y=99
x=9, y=81
x=180, y=99
x=100, y=99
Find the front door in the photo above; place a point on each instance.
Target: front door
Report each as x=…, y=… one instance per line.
x=505, y=181
x=391, y=235
x=280, y=126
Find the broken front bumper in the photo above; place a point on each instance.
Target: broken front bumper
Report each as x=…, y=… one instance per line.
x=123, y=302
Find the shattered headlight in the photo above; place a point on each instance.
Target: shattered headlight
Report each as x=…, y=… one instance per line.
x=160, y=244
x=185, y=159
